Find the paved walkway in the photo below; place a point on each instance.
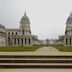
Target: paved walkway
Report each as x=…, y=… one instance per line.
x=47, y=49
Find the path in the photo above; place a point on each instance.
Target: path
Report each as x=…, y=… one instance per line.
x=47, y=49
x=42, y=51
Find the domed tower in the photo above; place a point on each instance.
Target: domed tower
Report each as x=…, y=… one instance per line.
x=69, y=25
x=25, y=25
x=68, y=31
x=2, y=35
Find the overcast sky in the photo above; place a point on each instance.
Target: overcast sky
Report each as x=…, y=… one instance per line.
x=47, y=17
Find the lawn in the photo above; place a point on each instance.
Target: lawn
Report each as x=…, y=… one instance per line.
x=63, y=48
x=19, y=48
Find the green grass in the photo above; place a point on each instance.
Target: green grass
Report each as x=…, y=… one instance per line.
x=19, y=48
x=63, y=48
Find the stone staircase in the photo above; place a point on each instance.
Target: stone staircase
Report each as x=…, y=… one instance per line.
x=35, y=61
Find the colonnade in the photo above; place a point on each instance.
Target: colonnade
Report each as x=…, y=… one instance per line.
x=68, y=41
x=21, y=41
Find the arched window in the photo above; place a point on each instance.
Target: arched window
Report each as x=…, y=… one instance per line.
x=22, y=31
x=12, y=33
x=16, y=33
x=8, y=33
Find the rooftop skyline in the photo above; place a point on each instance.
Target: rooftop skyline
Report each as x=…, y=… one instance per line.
x=47, y=17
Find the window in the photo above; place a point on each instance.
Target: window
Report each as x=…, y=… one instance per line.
x=22, y=31
x=9, y=33
x=16, y=33
x=12, y=33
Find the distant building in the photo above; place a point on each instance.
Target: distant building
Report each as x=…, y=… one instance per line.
x=20, y=36
x=44, y=42
x=53, y=41
x=67, y=38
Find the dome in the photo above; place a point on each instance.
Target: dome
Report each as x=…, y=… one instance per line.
x=2, y=30
x=2, y=26
x=69, y=20
x=25, y=19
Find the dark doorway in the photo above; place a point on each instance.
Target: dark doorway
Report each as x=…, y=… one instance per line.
x=15, y=41
x=70, y=41
x=18, y=41
x=29, y=41
x=25, y=41
x=22, y=41
x=66, y=41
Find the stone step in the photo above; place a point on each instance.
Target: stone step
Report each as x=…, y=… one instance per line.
x=23, y=65
x=69, y=64
x=35, y=56
x=35, y=61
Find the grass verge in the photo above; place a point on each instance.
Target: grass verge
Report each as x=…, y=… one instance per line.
x=19, y=48
x=63, y=48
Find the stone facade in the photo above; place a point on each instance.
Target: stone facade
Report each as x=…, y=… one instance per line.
x=21, y=36
x=67, y=38
x=2, y=35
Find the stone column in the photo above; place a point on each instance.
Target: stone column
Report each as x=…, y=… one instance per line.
x=64, y=41
x=20, y=41
x=12, y=41
x=27, y=41
x=30, y=41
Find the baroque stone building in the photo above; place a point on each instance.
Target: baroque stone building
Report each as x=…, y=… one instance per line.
x=67, y=38
x=21, y=36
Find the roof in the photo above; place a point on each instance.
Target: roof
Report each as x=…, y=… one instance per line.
x=12, y=29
